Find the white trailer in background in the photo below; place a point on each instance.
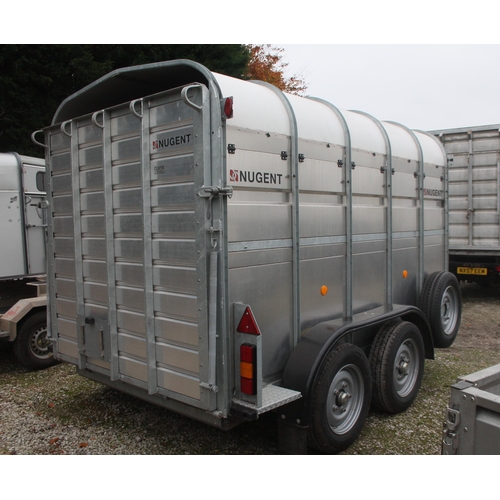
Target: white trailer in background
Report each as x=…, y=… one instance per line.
x=474, y=202
x=23, y=317
x=222, y=249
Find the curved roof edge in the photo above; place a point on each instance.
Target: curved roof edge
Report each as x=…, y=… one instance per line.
x=134, y=82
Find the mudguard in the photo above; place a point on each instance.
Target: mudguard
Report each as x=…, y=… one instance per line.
x=304, y=361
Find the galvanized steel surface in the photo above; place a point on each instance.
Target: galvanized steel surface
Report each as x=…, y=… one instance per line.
x=308, y=220
x=474, y=187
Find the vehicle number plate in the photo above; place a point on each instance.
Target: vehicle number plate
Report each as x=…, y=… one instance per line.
x=482, y=271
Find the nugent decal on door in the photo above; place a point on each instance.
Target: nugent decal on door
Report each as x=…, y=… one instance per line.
x=255, y=177
x=177, y=140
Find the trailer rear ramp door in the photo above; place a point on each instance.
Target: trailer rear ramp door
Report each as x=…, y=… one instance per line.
x=130, y=244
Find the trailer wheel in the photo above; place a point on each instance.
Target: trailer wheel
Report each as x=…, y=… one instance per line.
x=442, y=304
x=340, y=399
x=397, y=364
x=31, y=346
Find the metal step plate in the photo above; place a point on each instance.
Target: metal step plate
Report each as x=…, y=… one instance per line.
x=272, y=397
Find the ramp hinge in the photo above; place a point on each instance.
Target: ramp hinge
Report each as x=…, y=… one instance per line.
x=450, y=434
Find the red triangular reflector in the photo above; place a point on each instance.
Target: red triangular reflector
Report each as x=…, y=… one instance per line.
x=248, y=323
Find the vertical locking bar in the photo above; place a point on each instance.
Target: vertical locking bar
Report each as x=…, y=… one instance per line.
x=77, y=235
x=105, y=125
x=144, y=117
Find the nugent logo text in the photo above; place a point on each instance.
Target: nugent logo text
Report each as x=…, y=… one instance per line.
x=177, y=140
x=433, y=192
x=255, y=177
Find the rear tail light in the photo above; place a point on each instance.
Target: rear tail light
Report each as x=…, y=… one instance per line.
x=248, y=369
x=228, y=107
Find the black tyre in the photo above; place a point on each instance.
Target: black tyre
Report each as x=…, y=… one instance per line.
x=340, y=399
x=425, y=294
x=441, y=302
x=397, y=363
x=31, y=346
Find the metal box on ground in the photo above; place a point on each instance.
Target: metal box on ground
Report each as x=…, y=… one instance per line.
x=223, y=249
x=472, y=425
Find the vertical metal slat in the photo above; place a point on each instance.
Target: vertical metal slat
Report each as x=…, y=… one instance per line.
x=388, y=213
x=348, y=205
x=421, y=220
x=144, y=116
x=470, y=200
x=294, y=153
x=77, y=239
x=105, y=125
x=50, y=263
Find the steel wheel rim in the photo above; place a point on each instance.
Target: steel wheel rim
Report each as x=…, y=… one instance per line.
x=406, y=368
x=40, y=346
x=449, y=310
x=345, y=399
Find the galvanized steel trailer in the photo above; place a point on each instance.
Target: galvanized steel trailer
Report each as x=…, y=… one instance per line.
x=223, y=249
x=474, y=202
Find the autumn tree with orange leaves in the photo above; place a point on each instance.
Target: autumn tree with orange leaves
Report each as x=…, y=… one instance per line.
x=266, y=64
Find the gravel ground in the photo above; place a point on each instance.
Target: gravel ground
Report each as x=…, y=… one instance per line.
x=55, y=411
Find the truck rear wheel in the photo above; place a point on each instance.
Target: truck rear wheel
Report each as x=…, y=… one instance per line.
x=340, y=399
x=397, y=364
x=441, y=303
x=31, y=346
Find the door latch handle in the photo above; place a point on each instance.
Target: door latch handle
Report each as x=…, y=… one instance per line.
x=212, y=192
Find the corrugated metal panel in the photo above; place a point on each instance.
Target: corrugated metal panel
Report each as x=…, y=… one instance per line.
x=474, y=187
x=129, y=221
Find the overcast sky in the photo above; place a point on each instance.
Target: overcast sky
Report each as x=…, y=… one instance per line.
x=390, y=74
x=425, y=87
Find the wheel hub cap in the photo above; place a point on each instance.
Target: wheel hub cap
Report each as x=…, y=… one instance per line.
x=406, y=368
x=40, y=345
x=345, y=399
x=403, y=367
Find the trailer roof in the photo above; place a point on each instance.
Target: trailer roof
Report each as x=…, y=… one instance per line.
x=125, y=84
x=459, y=130
x=258, y=106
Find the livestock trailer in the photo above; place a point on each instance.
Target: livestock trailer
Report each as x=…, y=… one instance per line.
x=223, y=249
x=474, y=202
x=22, y=222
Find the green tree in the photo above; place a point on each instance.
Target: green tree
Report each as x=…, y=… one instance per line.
x=35, y=79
